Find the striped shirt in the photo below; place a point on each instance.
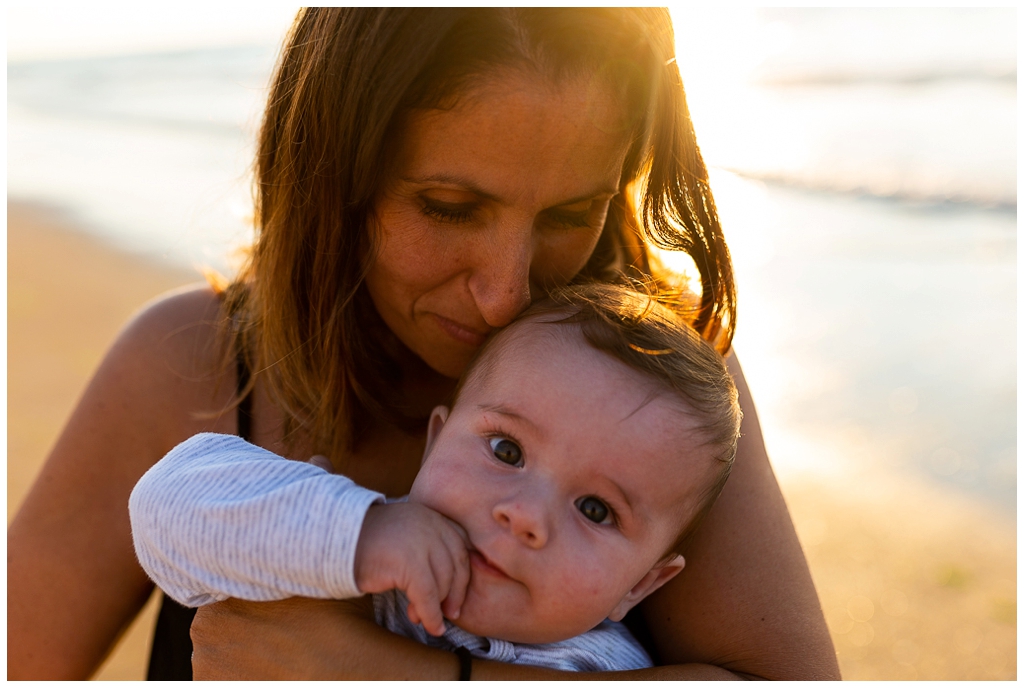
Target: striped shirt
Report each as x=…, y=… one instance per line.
x=219, y=517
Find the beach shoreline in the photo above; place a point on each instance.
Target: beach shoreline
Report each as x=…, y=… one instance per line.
x=916, y=580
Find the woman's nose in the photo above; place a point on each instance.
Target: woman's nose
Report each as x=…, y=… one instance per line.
x=500, y=281
x=526, y=521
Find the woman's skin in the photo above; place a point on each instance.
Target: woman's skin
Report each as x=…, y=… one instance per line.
x=492, y=202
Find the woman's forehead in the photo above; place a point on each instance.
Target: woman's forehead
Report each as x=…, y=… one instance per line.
x=519, y=132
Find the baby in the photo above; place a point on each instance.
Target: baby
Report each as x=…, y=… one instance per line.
x=585, y=443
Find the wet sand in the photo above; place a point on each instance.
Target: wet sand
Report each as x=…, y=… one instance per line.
x=917, y=582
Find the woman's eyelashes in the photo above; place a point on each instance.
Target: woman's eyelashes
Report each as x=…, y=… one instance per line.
x=506, y=451
x=463, y=214
x=452, y=215
x=570, y=219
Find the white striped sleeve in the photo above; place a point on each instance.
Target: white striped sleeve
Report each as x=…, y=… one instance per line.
x=219, y=517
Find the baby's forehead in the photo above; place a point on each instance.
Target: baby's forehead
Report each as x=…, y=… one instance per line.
x=533, y=340
x=524, y=340
x=513, y=357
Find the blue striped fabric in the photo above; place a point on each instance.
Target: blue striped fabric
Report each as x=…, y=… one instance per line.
x=219, y=517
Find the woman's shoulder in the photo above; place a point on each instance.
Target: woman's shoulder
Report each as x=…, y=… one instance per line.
x=181, y=327
x=170, y=357
x=192, y=306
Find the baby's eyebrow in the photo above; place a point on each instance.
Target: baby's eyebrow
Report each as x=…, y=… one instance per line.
x=503, y=410
x=536, y=430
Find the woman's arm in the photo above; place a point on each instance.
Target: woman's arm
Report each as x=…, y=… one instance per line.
x=304, y=639
x=745, y=601
x=72, y=579
x=744, y=607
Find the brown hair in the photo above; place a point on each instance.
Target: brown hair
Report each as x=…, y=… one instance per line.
x=345, y=81
x=656, y=340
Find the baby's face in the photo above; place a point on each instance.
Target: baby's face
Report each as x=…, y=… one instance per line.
x=572, y=475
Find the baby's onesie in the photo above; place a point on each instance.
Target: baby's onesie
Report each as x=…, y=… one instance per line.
x=219, y=517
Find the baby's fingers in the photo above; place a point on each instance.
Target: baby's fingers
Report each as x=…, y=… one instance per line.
x=452, y=604
x=425, y=608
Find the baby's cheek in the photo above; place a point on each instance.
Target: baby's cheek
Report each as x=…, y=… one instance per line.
x=436, y=483
x=581, y=592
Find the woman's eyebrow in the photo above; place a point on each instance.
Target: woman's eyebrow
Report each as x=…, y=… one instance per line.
x=467, y=185
x=452, y=181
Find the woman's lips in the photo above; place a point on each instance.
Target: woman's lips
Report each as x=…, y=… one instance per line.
x=460, y=333
x=482, y=564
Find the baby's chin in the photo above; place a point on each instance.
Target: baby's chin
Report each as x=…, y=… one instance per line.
x=515, y=624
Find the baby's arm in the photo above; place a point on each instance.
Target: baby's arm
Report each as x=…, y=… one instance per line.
x=218, y=517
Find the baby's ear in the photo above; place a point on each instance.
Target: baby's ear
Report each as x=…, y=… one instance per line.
x=437, y=420
x=662, y=573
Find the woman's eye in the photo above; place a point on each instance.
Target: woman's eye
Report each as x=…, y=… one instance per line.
x=570, y=219
x=507, y=451
x=453, y=216
x=594, y=509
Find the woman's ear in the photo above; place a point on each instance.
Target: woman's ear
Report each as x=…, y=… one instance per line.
x=437, y=420
x=662, y=573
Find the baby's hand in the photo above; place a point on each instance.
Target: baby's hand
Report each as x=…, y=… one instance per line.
x=417, y=550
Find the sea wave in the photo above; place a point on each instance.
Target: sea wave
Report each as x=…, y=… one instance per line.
x=911, y=77
x=919, y=197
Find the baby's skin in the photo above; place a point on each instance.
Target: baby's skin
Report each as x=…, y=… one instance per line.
x=548, y=497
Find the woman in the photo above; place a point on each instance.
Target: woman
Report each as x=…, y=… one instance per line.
x=421, y=176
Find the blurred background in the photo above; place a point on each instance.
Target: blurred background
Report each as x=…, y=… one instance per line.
x=864, y=164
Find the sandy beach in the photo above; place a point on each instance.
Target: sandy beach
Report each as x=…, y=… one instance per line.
x=68, y=295
x=917, y=581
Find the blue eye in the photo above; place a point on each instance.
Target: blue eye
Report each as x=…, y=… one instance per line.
x=507, y=451
x=594, y=509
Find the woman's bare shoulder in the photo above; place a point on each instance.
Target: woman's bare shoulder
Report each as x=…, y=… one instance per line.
x=170, y=358
x=176, y=321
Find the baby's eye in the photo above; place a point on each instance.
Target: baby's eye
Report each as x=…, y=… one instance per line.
x=594, y=509
x=507, y=451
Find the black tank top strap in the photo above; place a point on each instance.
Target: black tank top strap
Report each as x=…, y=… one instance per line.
x=171, y=656
x=245, y=405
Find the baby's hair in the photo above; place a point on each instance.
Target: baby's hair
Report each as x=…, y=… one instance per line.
x=654, y=339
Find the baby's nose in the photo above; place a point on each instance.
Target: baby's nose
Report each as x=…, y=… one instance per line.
x=526, y=521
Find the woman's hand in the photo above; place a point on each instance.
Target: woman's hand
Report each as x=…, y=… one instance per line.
x=307, y=639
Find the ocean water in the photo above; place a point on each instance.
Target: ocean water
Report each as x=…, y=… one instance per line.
x=864, y=163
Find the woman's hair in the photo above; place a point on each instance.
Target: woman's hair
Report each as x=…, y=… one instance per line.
x=656, y=340
x=346, y=80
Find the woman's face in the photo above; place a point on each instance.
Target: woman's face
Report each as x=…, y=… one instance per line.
x=492, y=203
